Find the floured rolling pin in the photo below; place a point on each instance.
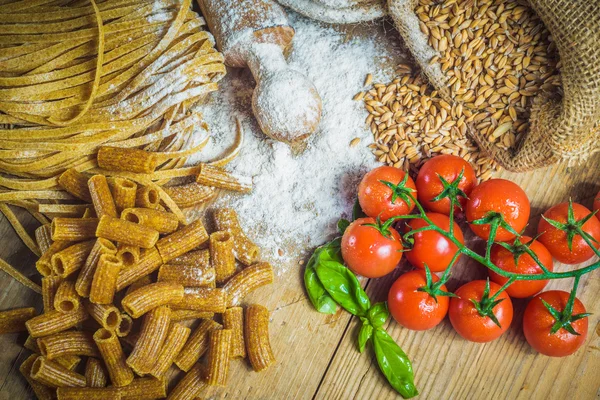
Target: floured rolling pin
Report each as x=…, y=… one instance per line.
x=255, y=33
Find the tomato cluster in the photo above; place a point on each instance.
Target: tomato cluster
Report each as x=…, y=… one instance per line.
x=497, y=211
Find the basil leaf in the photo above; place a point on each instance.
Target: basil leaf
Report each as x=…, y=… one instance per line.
x=378, y=314
x=317, y=294
x=357, y=211
x=343, y=225
x=394, y=364
x=342, y=286
x=366, y=332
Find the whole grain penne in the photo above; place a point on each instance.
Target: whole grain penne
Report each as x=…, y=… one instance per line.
x=176, y=338
x=149, y=262
x=190, y=194
x=44, y=264
x=70, y=343
x=74, y=229
x=31, y=344
x=125, y=325
x=107, y=315
x=256, y=332
x=233, y=319
x=245, y=250
x=187, y=275
x=69, y=361
x=83, y=283
x=162, y=221
x=184, y=315
x=41, y=391
x=149, y=297
x=147, y=197
x=246, y=281
x=12, y=321
x=126, y=232
x=219, y=348
x=54, y=322
x=196, y=345
x=88, y=393
x=216, y=177
x=113, y=356
x=221, y=255
x=66, y=298
x=53, y=374
x=143, y=281
x=124, y=193
x=75, y=183
x=202, y=299
x=101, y=196
x=155, y=326
x=71, y=259
x=43, y=237
x=95, y=374
x=104, y=283
x=196, y=257
x=126, y=159
x=50, y=285
x=190, y=385
x=129, y=255
x=144, y=389
x=182, y=241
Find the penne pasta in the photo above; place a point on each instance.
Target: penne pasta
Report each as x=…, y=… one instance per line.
x=149, y=262
x=43, y=237
x=75, y=183
x=162, y=221
x=54, y=322
x=13, y=321
x=152, y=336
x=221, y=255
x=144, y=389
x=196, y=345
x=41, y=391
x=245, y=250
x=147, y=197
x=246, y=281
x=202, y=299
x=129, y=255
x=70, y=343
x=43, y=264
x=66, y=298
x=124, y=193
x=95, y=374
x=107, y=315
x=74, y=229
x=69, y=362
x=182, y=241
x=113, y=356
x=52, y=374
x=126, y=159
x=183, y=315
x=104, y=283
x=124, y=326
x=216, y=177
x=233, y=319
x=50, y=285
x=191, y=194
x=143, y=281
x=126, y=232
x=101, y=196
x=219, y=348
x=88, y=393
x=190, y=385
x=149, y=297
x=256, y=333
x=83, y=283
x=71, y=259
x=187, y=275
x=176, y=338
x=197, y=257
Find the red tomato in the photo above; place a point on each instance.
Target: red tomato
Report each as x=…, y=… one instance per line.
x=375, y=197
x=538, y=322
x=501, y=196
x=430, y=247
x=369, y=253
x=556, y=240
x=429, y=184
x=412, y=308
x=596, y=206
x=466, y=319
x=505, y=260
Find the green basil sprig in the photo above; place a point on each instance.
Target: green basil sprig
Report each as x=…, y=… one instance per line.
x=394, y=364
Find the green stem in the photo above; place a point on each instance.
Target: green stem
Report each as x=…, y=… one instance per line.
x=509, y=282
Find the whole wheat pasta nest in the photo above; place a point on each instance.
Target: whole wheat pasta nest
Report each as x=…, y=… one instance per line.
x=565, y=128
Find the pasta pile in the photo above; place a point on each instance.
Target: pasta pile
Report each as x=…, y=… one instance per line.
x=121, y=281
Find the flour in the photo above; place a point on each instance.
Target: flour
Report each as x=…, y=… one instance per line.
x=297, y=199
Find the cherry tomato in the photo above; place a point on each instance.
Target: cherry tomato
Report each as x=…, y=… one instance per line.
x=412, y=308
x=556, y=240
x=429, y=185
x=377, y=199
x=430, y=247
x=467, y=321
x=501, y=196
x=538, y=322
x=368, y=252
x=504, y=259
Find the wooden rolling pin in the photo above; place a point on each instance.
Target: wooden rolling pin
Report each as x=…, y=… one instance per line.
x=255, y=33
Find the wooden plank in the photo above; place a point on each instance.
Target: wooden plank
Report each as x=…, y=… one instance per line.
x=447, y=366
